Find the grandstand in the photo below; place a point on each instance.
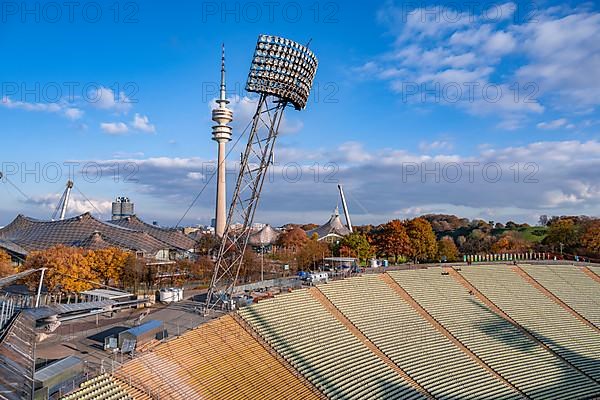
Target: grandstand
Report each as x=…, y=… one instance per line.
x=520, y=359
x=218, y=360
x=571, y=285
x=477, y=332
x=409, y=340
x=323, y=350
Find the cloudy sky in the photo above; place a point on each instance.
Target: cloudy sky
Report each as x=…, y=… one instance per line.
x=482, y=109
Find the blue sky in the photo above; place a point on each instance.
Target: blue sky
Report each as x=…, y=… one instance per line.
x=402, y=88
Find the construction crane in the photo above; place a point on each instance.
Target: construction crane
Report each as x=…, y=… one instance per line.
x=61, y=207
x=345, y=206
x=282, y=73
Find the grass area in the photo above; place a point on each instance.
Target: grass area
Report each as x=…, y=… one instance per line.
x=534, y=234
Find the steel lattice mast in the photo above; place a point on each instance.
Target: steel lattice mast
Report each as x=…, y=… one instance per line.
x=282, y=72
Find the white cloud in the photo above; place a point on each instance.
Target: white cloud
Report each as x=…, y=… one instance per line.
x=74, y=113
x=77, y=205
x=537, y=64
x=62, y=108
x=142, y=123
x=114, y=128
x=106, y=99
x=555, y=124
x=565, y=58
x=436, y=145
x=554, y=177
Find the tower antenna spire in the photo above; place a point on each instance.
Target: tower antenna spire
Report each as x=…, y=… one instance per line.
x=222, y=94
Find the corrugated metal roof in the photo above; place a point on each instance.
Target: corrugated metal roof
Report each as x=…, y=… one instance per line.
x=56, y=368
x=145, y=327
x=106, y=293
x=90, y=305
x=174, y=237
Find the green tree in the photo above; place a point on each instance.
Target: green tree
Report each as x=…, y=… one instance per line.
x=357, y=245
x=423, y=244
x=447, y=250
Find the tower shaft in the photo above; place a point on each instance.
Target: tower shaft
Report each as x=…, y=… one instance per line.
x=221, y=203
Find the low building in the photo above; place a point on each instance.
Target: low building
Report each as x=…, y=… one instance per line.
x=140, y=335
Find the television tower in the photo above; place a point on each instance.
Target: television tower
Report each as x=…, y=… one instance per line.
x=281, y=73
x=221, y=134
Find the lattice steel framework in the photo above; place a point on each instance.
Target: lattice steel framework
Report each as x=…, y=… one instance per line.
x=282, y=72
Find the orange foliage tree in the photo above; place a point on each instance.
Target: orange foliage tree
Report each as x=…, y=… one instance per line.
x=107, y=264
x=293, y=240
x=591, y=238
x=67, y=268
x=392, y=239
x=447, y=249
x=6, y=267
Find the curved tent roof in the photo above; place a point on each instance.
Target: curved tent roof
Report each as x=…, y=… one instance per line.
x=332, y=227
x=264, y=237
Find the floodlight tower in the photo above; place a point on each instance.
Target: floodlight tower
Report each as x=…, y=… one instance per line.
x=282, y=73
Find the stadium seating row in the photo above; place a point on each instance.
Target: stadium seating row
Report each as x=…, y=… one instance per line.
x=542, y=317
x=106, y=387
x=323, y=350
x=501, y=345
x=411, y=342
x=218, y=360
x=572, y=286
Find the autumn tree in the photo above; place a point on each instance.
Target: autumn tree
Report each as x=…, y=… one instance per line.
x=68, y=268
x=510, y=242
x=392, y=239
x=6, y=267
x=446, y=249
x=423, y=244
x=207, y=244
x=357, y=245
x=591, y=238
x=563, y=231
x=132, y=272
x=107, y=264
x=293, y=239
x=312, y=252
x=202, y=268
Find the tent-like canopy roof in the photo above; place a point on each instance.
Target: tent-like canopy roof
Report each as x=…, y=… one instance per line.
x=333, y=227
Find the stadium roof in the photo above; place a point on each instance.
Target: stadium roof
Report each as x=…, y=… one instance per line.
x=333, y=227
x=173, y=237
x=84, y=231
